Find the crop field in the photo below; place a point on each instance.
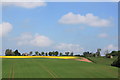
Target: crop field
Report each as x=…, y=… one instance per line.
x=55, y=68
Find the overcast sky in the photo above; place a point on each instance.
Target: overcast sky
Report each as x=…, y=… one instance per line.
x=61, y=26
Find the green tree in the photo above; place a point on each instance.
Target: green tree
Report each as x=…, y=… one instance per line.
x=71, y=54
x=53, y=53
x=39, y=54
x=94, y=54
x=67, y=53
x=17, y=53
x=86, y=54
x=60, y=54
x=31, y=53
x=36, y=53
x=50, y=53
x=98, y=52
x=106, y=52
x=42, y=53
x=9, y=52
x=114, y=53
x=117, y=62
x=46, y=54
x=56, y=53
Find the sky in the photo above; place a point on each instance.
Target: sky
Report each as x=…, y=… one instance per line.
x=59, y=26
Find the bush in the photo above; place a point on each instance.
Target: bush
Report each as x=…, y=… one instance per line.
x=116, y=62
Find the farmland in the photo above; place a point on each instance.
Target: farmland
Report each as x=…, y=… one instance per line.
x=55, y=68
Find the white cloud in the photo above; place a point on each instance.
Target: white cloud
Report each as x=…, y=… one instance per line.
x=88, y=19
x=103, y=35
x=24, y=39
x=25, y=4
x=111, y=47
x=41, y=41
x=33, y=40
x=69, y=47
x=5, y=28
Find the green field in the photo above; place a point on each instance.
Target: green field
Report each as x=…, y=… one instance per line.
x=103, y=60
x=55, y=68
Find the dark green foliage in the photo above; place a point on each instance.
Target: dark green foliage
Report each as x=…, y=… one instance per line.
x=94, y=55
x=50, y=53
x=9, y=52
x=56, y=53
x=46, y=54
x=67, y=53
x=115, y=53
x=98, y=52
x=71, y=54
x=17, y=53
x=87, y=54
x=36, y=53
x=31, y=53
x=116, y=62
x=53, y=53
x=42, y=53
x=79, y=55
x=107, y=55
x=39, y=54
x=61, y=54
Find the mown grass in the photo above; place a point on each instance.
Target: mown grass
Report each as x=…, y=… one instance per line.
x=55, y=68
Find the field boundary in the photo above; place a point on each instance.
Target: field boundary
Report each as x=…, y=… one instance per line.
x=90, y=59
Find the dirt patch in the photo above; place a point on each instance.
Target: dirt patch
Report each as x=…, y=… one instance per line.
x=83, y=59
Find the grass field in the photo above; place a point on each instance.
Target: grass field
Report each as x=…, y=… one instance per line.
x=103, y=60
x=55, y=68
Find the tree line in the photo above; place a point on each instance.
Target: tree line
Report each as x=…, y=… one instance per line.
x=98, y=53
x=9, y=52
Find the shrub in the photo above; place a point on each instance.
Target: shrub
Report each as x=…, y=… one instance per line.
x=116, y=62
